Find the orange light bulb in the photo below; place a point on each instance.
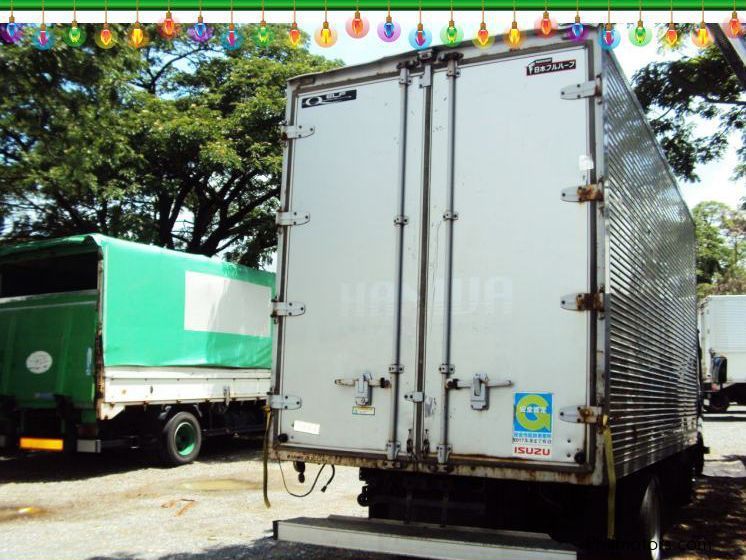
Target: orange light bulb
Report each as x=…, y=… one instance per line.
x=294, y=35
x=734, y=25
x=672, y=36
x=483, y=36
x=357, y=24
x=546, y=24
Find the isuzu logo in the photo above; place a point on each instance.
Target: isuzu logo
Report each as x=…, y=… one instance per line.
x=327, y=98
x=547, y=65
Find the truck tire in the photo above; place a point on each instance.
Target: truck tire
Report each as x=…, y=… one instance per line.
x=719, y=403
x=181, y=439
x=643, y=525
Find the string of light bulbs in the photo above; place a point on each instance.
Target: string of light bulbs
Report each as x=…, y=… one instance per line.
x=43, y=37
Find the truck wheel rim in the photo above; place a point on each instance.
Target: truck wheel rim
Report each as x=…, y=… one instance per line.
x=185, y=438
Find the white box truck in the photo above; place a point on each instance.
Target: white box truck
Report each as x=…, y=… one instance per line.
x=722, y=328
x=486, y=300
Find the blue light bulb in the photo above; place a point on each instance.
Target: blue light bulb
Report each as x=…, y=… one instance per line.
x=577, y=29
x=200, y=29
x=388, y=29
x=11, y=29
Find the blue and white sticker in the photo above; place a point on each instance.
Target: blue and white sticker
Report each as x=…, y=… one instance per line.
x=532, y=425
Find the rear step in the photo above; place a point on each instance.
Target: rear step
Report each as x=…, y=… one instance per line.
x=420, y=540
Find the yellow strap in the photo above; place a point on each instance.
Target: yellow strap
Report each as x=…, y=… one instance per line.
x=265, y=459
x=611, y=473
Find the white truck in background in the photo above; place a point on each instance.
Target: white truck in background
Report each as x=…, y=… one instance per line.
x=722, y=331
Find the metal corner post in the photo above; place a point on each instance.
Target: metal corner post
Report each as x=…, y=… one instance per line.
x=449, y=216
x=400, y=221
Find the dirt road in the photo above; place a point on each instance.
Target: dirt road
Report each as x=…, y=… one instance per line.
x=120, y=506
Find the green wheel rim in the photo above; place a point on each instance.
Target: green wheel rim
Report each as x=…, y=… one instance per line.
x=185, y=438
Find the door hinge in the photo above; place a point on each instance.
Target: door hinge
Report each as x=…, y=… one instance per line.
x=582, y=90
x=292, y=218
x=584, y=193
x=363, y=385
x=284, y=402
x=584, y=302
x=582, y=414
x=293, y=132
x=415, y=397
x=480, y=385
x=287, y=308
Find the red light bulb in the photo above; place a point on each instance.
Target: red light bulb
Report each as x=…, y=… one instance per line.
x=483, y=36
x=294, y=35
x=546, y=24
x=672, y=36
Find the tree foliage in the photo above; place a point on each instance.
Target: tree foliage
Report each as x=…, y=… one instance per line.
x=177, y=144
x=676, y=94
x=721, y=250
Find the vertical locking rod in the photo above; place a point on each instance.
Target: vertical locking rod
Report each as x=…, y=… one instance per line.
x=392, y=446
x=449, y=216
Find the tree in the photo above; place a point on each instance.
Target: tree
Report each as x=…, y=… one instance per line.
x=177, y=144
x=721, y=258
x=676, y=92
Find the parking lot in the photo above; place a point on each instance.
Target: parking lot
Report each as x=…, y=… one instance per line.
x=119, y=505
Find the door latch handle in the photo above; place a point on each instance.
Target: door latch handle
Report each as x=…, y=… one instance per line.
x=480, y=385
x=363, y=385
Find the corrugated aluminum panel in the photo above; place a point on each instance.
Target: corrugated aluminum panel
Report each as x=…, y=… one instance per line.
x=652, y=327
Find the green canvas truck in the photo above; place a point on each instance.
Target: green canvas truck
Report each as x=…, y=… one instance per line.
x=107, y=343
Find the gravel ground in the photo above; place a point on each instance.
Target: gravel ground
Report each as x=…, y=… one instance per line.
x=120, y=506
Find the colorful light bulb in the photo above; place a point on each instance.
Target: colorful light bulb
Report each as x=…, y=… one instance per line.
x=577, y=29
x=671, y=36
x=513, y=36
x=545, y=25
x=609, y=37
x=74, y=36
x=43, y=39
x=263, y=35
x=294, y=35
x=168, y=27
x=388, y=30
x=137, y=37
x=483, y=36
x=325, y=35
x=639, y=36
x=419, y=37
x=701, y=36
x=200, y=32
x=451, y=35
x=11, y=32
x=451, y=32
x=232, y=39
x=357, y=26
x=11, y=29
x=734, y=28
x=106, y=38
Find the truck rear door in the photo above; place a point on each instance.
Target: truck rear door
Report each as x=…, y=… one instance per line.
x=517, y=249
x=510, y=355
x=342, y=264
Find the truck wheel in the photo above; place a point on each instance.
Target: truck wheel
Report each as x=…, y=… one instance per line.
x=719, y=403
x=643, y=529
x=181, y=439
